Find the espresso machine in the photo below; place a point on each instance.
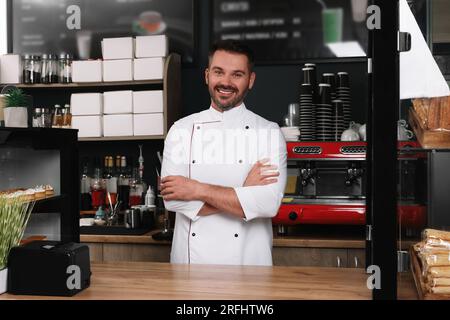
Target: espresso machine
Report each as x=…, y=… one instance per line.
x=326, y=185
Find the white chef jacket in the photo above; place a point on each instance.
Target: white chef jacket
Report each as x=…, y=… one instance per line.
x=220, y=149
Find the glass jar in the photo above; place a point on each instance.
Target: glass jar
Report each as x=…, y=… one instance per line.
x=57, y=117
x=45, y=69
x=65, y=68
x=53, y=68
x=67, y=117
x=49, y=69
x=31, y=69
x=37, y=118
x=46, y=118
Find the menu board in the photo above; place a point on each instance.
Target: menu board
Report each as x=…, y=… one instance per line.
x=293, y=30
x=78, y=26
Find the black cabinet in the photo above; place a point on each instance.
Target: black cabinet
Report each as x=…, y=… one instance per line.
x=40, y=156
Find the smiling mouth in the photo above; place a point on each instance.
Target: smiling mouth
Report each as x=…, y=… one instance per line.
x=225, y=91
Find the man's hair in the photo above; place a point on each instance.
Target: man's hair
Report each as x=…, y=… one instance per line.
x=233, y=46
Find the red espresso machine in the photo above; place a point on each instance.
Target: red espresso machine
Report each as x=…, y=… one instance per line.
x=327, y=185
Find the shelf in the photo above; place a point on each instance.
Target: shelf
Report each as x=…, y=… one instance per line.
x=49, y=204
x=132, y=138
x=88, y=84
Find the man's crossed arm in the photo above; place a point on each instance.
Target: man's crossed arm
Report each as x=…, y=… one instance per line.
x=216, y=198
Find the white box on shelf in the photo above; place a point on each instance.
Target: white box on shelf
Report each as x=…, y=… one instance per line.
x=148, y=101
x=118, y=125
x=148, y=69
x=117, y=70
x=151, y=46
x=86, y=104
x=87, y=71
x=10, y=69
x=116, y=102
x=118, y=48
x=88, y=126
x=151, y=124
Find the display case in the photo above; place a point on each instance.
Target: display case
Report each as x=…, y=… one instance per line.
x=41, y=156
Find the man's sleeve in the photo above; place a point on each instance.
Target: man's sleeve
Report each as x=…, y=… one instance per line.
x=176, y=163
x=264, y=201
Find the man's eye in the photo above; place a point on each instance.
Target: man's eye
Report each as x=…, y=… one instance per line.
x=238, y=75
x=218, y=72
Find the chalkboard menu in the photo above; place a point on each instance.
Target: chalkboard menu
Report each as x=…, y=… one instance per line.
x=293, y=30
x=78, y=26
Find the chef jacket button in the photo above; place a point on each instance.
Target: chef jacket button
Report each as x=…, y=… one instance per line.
x=236, y=235
x=198, y=128
x=193, y=161
x=247, y=127
x=193, y=234
x=240, y=161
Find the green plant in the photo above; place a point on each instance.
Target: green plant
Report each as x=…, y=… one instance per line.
x=15, y=98
x=14, y=215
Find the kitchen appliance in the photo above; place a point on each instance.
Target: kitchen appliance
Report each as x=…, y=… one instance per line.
x=49, y=268
x=326, y=185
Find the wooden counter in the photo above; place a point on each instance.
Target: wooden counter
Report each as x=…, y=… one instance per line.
x=305, y=241
x=145, y=280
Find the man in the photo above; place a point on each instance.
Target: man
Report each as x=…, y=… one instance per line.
x=224, y=170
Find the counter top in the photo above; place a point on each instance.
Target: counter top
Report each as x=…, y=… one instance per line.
x=295, y=241
x=163, y=281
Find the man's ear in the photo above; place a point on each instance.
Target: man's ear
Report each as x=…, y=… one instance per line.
x=206, y=76
x=252, y=80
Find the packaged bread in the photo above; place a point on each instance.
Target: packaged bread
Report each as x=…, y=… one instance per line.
x=435, y=234
x=439, y=272
x=445, y=113
x=421, y=109
x=437, y=282
x=434, y=114
x=440, y=290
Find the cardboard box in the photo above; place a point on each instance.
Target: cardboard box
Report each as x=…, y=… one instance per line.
x=88, y=126
x=148, y=101
x=117, y=70
x=10, y=69
x=117, y=102
x=86, y=104
x=118, y=125
x=87, y=71
x=148, y=124
x=151, y=46
x=148, y=69
x=118, y=48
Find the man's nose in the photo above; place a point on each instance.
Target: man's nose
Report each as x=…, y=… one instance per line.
x=226, y=80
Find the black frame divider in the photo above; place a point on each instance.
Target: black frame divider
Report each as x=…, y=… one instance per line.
x=382, y=149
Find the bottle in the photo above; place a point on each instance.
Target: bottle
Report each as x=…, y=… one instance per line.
x=65, y=68
x=86, y=200
x=135, y=189
x=57, y=117
x=37, y=69
x=37, y=118
x=111, y=183
x=97, y=188
x=27, y=69
x=45, y=74
x=123, y=185
x=53, y=76
x=67, y=117
x=150, y=197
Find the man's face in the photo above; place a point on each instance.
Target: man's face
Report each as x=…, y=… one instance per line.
x=229, y=79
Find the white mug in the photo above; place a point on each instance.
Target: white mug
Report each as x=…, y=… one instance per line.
x=404, y=134
x=362, y=132
x=350, y=135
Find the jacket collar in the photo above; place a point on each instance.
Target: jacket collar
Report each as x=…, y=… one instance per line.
x=233, y=114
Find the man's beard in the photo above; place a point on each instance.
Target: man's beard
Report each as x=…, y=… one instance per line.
x=229, y=105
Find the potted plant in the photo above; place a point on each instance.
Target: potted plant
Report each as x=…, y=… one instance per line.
x=14, y=215
x=15, y=109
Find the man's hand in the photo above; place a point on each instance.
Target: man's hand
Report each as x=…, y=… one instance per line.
x=261, y=174
x=179, y=188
